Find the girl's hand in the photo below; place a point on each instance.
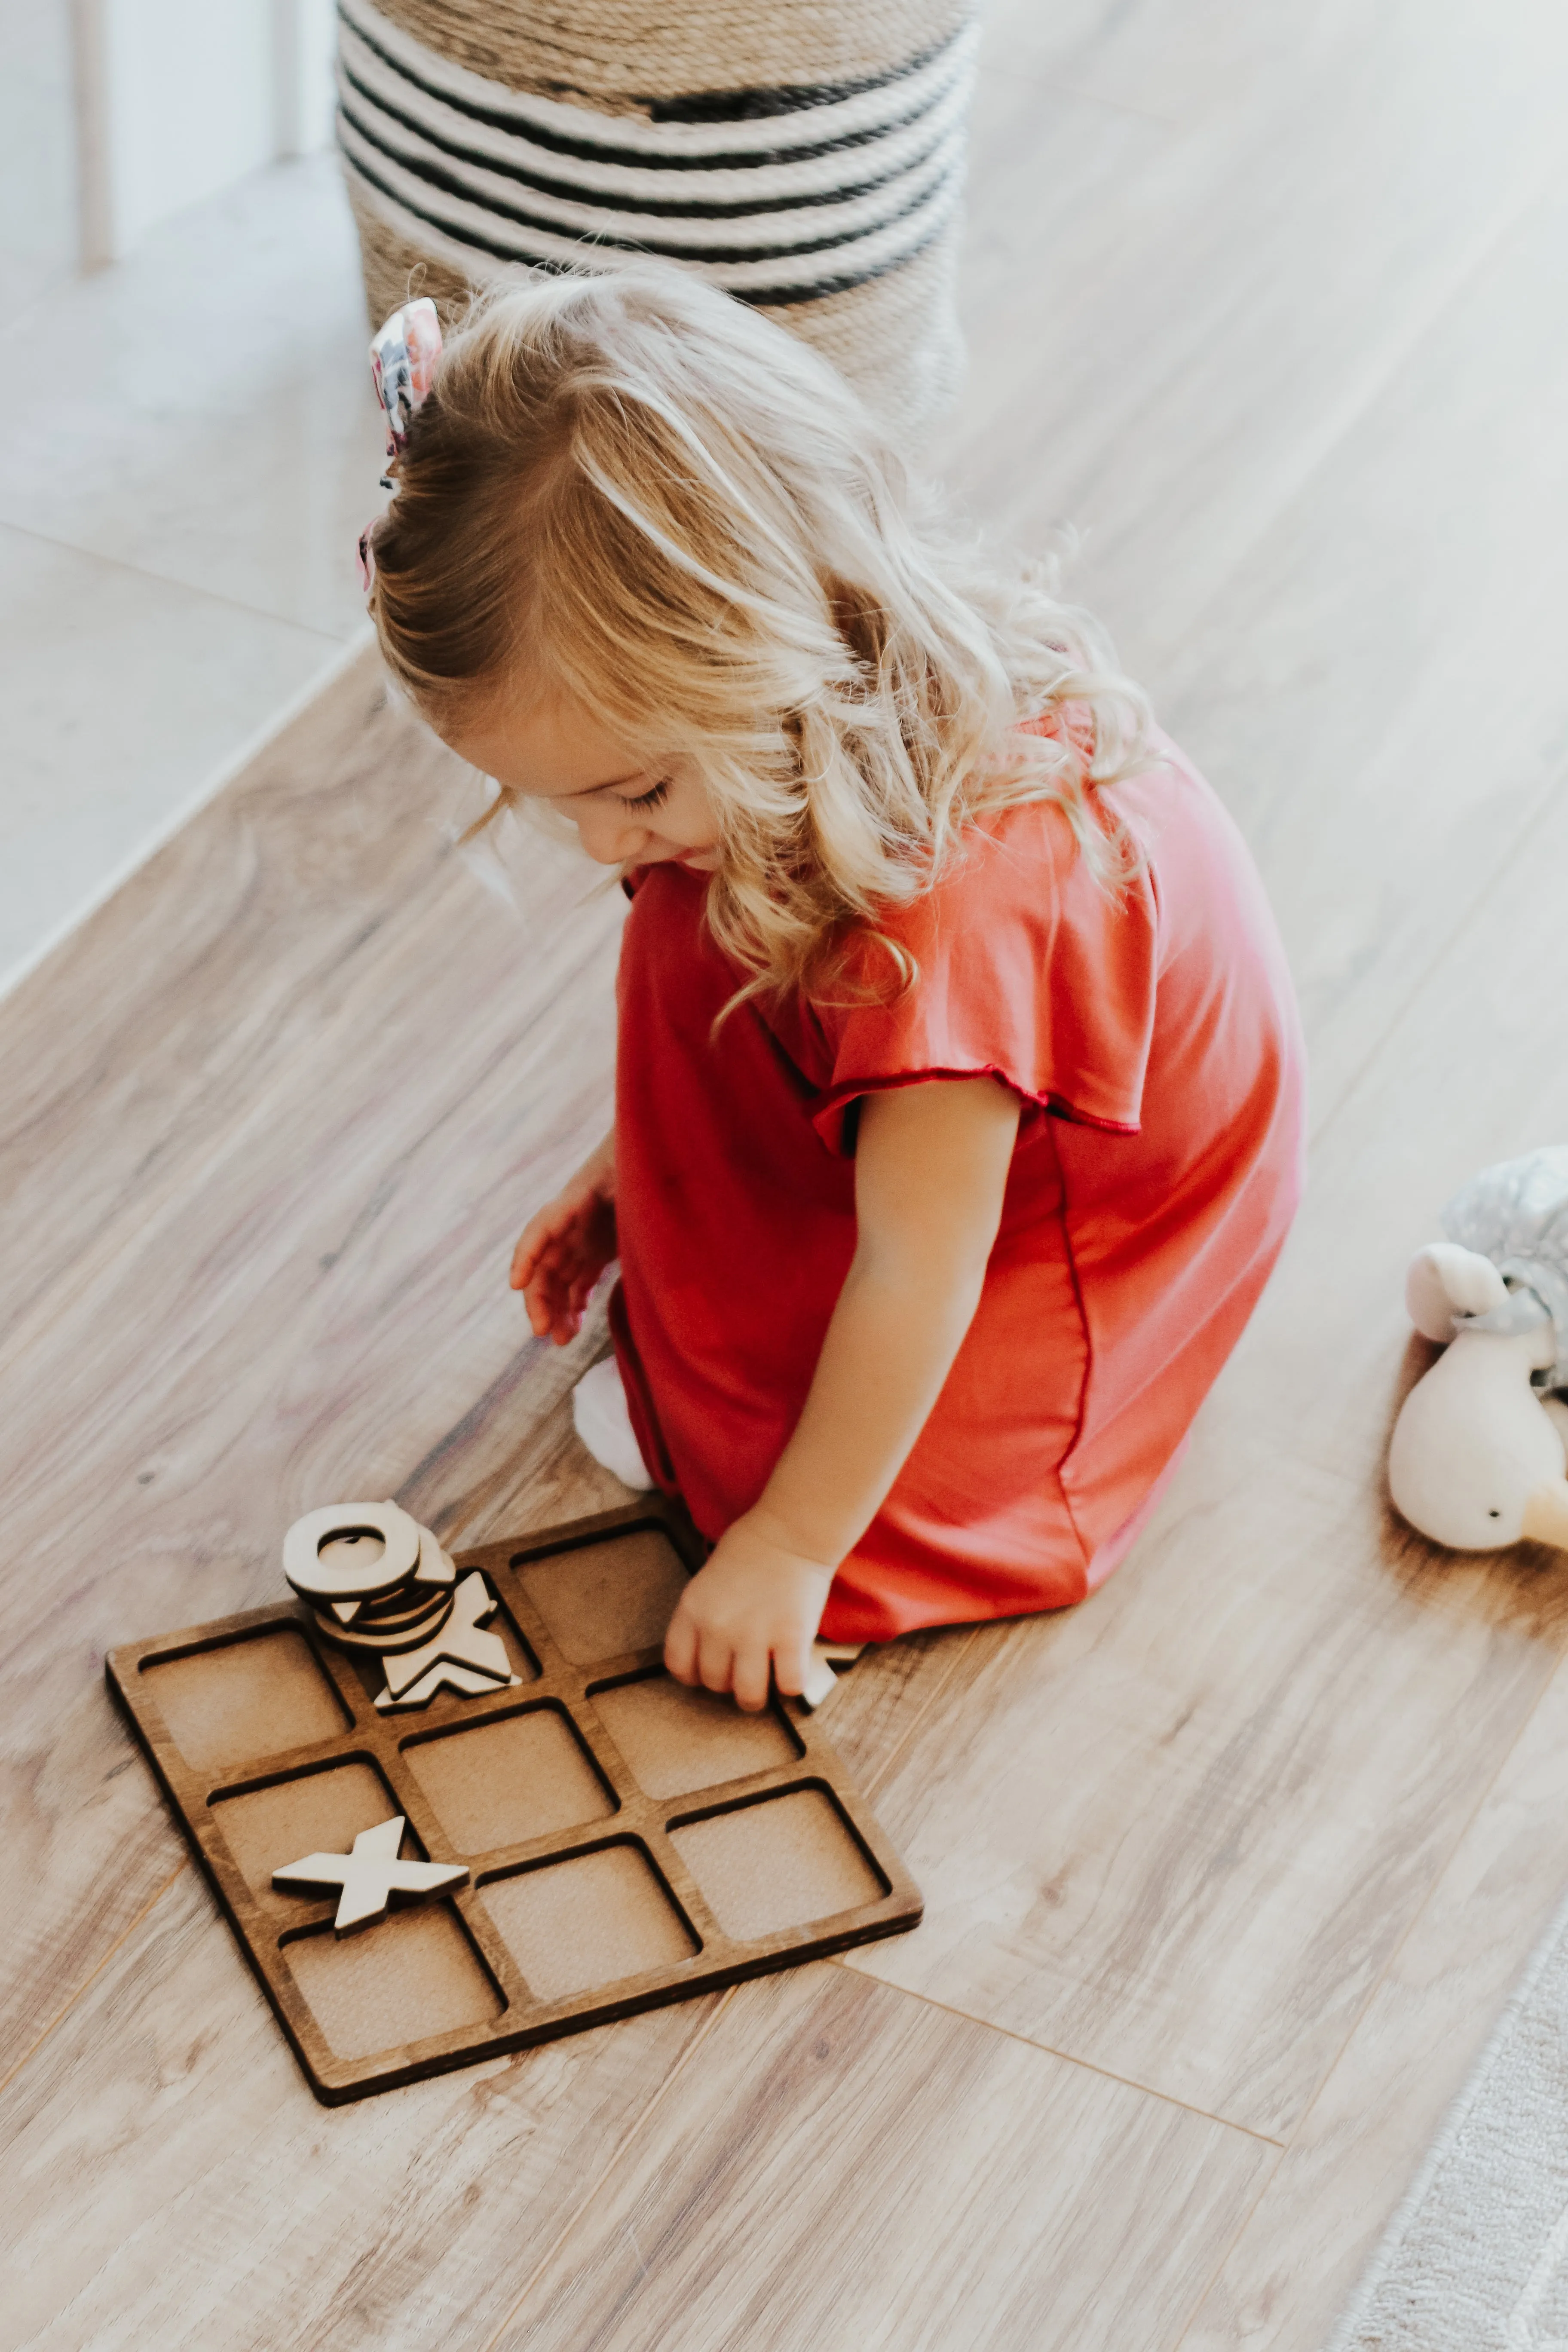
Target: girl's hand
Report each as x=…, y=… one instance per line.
x=756, y=1604
x=565, y=1247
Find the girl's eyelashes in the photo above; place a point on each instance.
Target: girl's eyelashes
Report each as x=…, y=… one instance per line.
x=650, y=800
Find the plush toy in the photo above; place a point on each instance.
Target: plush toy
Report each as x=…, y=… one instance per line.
x=1476, y=1459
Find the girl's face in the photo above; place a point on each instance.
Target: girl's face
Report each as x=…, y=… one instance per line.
x=626, y=813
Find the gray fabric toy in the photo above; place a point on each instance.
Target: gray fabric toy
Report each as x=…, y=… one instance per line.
x=1477, y=1456
x=1516, y=1214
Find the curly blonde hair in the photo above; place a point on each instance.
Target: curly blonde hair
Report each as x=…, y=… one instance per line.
x=632, y=493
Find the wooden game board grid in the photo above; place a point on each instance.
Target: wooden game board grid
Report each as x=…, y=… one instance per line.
x=638, y=1819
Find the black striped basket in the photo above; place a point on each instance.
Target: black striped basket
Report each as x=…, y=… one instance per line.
x=806, y=155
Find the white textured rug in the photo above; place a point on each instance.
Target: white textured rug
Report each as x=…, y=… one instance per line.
x=1476, y=2259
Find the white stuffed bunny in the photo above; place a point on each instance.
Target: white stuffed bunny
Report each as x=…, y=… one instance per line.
x=1476, y=1459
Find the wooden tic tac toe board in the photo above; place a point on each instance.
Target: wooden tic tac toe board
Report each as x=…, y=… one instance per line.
x=628, y=1842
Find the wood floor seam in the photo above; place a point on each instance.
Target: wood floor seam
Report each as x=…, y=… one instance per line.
x=171, y=581
x=1373, y=1990
x=1108, y=2074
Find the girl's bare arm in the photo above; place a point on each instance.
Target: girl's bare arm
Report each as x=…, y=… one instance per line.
x=930, y=1168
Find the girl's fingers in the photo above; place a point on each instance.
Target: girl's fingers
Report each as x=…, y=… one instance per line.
x=550, y=1313
x=532, y=1244
x=715, y=1658
x=792, y=1662
x=561, y=1273
x=750, y=1678
x=544, y=1236
x=681, y=1648
x=539, y=1299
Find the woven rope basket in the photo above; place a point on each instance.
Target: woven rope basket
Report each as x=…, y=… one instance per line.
x=807, y=156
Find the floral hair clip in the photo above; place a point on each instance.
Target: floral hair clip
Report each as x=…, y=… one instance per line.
x=403, y=368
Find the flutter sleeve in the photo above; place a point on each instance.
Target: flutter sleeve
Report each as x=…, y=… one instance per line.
x=1028, y=969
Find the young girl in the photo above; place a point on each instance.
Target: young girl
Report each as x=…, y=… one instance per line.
x=959, y=1101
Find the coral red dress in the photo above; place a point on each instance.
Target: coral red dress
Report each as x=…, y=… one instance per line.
x=1152, y=1039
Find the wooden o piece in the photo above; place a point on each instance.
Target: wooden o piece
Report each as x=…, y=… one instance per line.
x=389, y=1645
x=356, y=1552
x=417, y=1634
x=344, y=1578
x=407, y=1602
x=407, y=1606
x=436, y=1567
x=386, y=1640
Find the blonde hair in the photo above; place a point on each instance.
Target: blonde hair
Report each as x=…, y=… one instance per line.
x=634, y=493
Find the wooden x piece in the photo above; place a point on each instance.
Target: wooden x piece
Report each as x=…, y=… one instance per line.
x=460, y=1643
x=370, y=1875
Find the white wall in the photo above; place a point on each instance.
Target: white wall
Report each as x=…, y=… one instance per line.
x=177, y=99
x=190, y=104
x=38, y=241
x=306, y=38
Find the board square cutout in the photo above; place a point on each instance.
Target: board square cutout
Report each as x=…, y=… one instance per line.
x=781, y=1862
x=577, y=1925
x=509, y=1778
x=413, y=1975
x=584, y=1908
x=675, y=1740
x=309, y=1812
x=603, y=1600
x=237, y=1702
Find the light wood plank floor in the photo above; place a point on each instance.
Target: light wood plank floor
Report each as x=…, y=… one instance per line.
x=1227, y=1872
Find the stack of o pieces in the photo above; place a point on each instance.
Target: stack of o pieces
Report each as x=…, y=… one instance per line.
x=376, y=1581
